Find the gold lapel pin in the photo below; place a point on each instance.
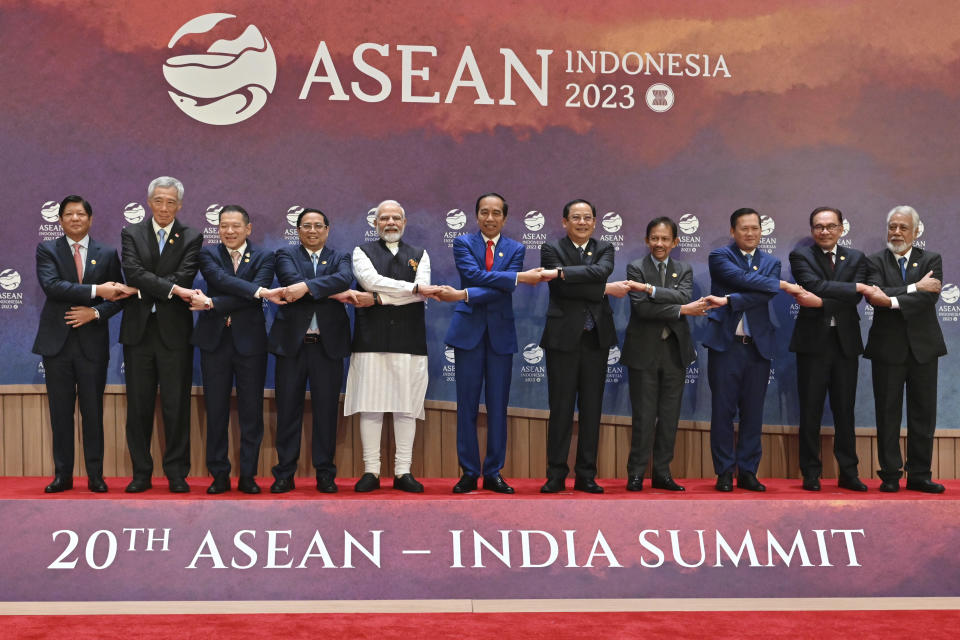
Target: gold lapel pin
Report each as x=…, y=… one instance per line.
x=673, y=275
x=589, y=253
x=500, y=254
x=93, y=262
x=323, y=262
x=170, y=240
x=843, y=257
x=247, y=260
x=914, y=264
x=754, y=267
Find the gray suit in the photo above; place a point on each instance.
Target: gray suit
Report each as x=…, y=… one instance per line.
x=657, y=364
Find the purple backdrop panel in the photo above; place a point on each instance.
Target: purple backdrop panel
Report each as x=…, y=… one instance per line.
x=189, y=550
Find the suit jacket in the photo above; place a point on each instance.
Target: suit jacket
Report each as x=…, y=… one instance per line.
x=489, y=307
x=580, y=290
x=155, y=274
x=914, y=327
x=57, y=274
x=750, y=291
x=838, y=289
x=233, y=296
x=334, y=274
x=649, y=316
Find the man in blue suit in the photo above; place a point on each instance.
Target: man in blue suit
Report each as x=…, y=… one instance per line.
x=741, y=343
x=484, y=339
x=81, y=279
x=232, y=336
x=310, y=337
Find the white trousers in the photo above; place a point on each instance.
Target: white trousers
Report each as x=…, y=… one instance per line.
x=404, y=431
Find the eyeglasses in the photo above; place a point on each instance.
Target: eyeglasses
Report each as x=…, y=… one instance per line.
x=820, y=228
x=576, y=218
x=309, y=226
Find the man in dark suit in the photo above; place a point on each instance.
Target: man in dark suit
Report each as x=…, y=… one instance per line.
x=577, y=337
x=159, y=258
x=231, y=333
x=904, y=344
x=827, y=341
x=741, y=343
x=81, y=279
x=310, y=337
x=657, y=351
x=484, y=339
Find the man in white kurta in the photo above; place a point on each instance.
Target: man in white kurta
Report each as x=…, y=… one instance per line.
x=388, y=366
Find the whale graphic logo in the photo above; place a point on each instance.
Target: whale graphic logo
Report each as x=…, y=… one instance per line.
x=533, y=220
x=611, y=222
x=227, y=83
x=456, y=219
x=293, y=213
x=767, y=225
x=50, y=211
x=9, y=279
x=532, y=353
x=134, y=212
x=688, y=223
x=950, y=293
x=213, y=214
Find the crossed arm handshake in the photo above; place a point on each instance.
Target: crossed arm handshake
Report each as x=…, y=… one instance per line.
x=874, y=295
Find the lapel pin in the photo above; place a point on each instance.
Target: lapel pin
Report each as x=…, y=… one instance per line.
x=754, y=267
x=589, y=253
x=321, y=262
x=673, y=275
x=170, y=241
x=248, y=254
x=914, y=264
x=843, y=257
x=93, y=262
x=247, y=260
x=500, y=254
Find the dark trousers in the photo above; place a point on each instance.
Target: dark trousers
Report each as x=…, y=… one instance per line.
x=476, y=368
x=147, y=365
x=70, y=375
x=326, y=377
x=220, y=368
x=655, y=396
x=575, y=379
x=920, y=381
x=827, y=370
x=738, y=384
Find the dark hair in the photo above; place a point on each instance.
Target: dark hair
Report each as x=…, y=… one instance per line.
x=821, y=210
x=662, y=220
x=231, y=208
x=566, y=207
x=739, y=213
x=492, y=194
x=71, y=199
x=326, y=221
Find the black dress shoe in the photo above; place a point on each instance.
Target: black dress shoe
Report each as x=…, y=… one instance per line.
x=367, y=482
x=407, y=483
x=496, y=483
x=890, y=486
x=587, y=485
x=748, y=481
x=139, y=485
x=466, y=484
x=811, y=484
x=247, y=484
x=325, y=483
x=853, y=483
x=553, y=485
x=666, y=483
x=221, y=484
x=96, y=484
x=283, y=485
x=926, y=486
x=635, y=483
x=178, y=485
x=725, y=482
x=60, y=483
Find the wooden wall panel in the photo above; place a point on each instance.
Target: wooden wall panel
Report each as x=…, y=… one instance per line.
x=26, y=447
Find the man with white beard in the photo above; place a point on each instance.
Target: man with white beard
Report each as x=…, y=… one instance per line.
x=388, y=367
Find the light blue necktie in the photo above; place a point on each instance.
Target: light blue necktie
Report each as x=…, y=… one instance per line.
x=314, y=327
x=162, y=235
x=746, y=327
x=903, y=267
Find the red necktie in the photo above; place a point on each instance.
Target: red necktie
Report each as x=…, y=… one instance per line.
x=77, y=260
x=489, y=255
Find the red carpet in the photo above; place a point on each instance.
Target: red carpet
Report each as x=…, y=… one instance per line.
x=31, y=488
x=549, y=626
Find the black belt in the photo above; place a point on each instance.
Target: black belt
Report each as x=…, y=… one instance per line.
x=743, y=339
x=311, y=338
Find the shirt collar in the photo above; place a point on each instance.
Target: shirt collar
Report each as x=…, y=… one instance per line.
x=896, y=257
x=157, y=227
x=495, y=239
x=83, y=242
x=242, y=249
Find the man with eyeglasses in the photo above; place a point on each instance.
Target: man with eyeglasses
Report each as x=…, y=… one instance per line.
x=904, y=344
x=81, y=280
x=310, y=337
x=160, y=258
x=827, y=341
x=577, y=338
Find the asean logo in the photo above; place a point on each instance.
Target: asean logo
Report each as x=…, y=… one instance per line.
x=293, y=213
x=227, y=83
x=533, y=220
x=613, y=356
x=456, y=219
x=846, y=227
x=213, y=214
x=372, y=218
x=659, y=97
x=688, y=223
x=133, y=212
x=767, y=225
x=950, y=293
x=920, y=228
x=611, y=222
x=9, y=279
x=532, y=353
x=50, y=211
x=450, y=355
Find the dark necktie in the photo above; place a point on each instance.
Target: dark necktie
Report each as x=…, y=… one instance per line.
x=662, y=268
x=903, y=267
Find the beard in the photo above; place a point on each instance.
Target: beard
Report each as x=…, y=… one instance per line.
x=898, y=246
x=391, y=236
